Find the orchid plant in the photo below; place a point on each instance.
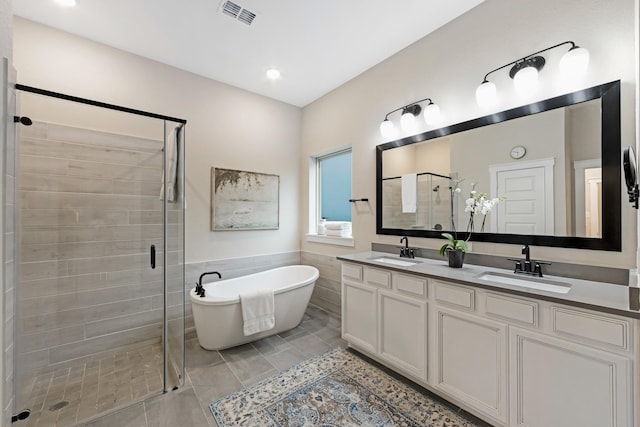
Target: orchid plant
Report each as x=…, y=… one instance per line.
x=477, y=203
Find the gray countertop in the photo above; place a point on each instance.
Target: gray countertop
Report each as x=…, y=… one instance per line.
x=605, y=297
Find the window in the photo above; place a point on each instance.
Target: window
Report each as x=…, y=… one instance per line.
x=329, y=192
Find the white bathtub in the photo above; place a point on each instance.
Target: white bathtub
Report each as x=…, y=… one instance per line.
x=218, y=316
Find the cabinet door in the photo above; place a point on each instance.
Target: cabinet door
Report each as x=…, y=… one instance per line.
x=402, y=330
x=471, y=361
x=558, y=383
x=359, y=315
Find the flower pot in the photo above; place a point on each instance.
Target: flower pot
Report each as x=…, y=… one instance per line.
x=456, y=258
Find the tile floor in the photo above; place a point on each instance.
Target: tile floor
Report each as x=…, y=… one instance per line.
x=67, y=395
x=211, y=375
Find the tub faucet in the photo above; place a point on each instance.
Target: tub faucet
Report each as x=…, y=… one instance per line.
x=199, y=287
x=406, y=251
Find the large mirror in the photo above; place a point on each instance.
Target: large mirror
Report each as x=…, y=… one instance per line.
x=546, y=174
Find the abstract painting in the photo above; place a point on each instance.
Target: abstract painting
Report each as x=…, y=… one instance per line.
x=243, y=200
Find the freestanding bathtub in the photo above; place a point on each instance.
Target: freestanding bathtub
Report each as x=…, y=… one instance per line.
x=218, y=315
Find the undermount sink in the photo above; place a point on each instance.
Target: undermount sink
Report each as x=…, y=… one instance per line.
x=526, y=282
x=402, y=262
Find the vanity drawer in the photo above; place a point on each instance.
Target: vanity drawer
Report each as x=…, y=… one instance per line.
x=591, y=328
x=352, y=271
x=456, y=295
x=373, y=276
x=410, y=285
x=513, y=309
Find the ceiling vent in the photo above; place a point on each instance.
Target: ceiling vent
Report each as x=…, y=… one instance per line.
x=236, y=11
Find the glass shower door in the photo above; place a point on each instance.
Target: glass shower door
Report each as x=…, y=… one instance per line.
x=174, y=204
x=98, y=328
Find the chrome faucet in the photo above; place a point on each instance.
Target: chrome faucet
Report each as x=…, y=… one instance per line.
x=406, y=251
x=525, y=266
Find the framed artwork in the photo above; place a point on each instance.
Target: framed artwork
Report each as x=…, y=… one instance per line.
x=243, y=200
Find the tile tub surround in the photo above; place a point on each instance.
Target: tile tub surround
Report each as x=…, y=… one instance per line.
x=89, y=210
x=598, y=296
x=230, y=268
x=326, y=293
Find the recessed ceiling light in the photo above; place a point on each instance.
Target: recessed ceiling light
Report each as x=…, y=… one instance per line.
x=273, y=74
x=66, y=3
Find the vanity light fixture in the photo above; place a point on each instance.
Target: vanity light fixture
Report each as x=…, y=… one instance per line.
x=408, y=119
x=524, y=72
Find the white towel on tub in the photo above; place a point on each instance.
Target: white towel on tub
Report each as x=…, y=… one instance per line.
x=258, y=312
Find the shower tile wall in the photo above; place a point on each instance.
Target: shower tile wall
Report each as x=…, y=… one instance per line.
x=432, y=207
x=89, y=210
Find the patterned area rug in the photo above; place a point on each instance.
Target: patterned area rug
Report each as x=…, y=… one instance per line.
x=334, y=389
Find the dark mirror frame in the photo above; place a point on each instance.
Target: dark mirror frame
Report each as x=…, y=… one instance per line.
x=611, y=240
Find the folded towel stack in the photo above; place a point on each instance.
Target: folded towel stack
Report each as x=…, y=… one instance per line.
x=338, y=228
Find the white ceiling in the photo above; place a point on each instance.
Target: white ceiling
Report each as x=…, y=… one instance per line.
x=317, y=45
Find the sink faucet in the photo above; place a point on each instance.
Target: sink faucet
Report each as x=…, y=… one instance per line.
x=406, y=251
x=527, y=259
x=525, y=266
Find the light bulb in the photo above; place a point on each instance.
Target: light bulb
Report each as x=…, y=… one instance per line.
x=574, y=62
x=486, y=95
x=408, y=122
x=387, y=129
x=526, y=80
x=432, y=114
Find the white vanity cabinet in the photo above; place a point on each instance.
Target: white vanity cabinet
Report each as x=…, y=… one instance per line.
x=511, y=360
x=559, y=383
x=471, y=360
x=402, y=333
x=359, y=309
x=385, y=315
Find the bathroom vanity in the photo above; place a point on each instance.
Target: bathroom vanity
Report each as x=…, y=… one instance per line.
x=513, y=350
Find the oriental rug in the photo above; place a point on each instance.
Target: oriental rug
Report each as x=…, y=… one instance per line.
x=337, y=388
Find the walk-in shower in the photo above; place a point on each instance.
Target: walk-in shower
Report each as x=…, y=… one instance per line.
x=99, y=300
x=434, y=207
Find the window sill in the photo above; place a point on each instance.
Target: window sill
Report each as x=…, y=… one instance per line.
x=331, y=240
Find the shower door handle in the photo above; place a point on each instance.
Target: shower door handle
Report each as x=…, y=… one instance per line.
x=153, y=256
